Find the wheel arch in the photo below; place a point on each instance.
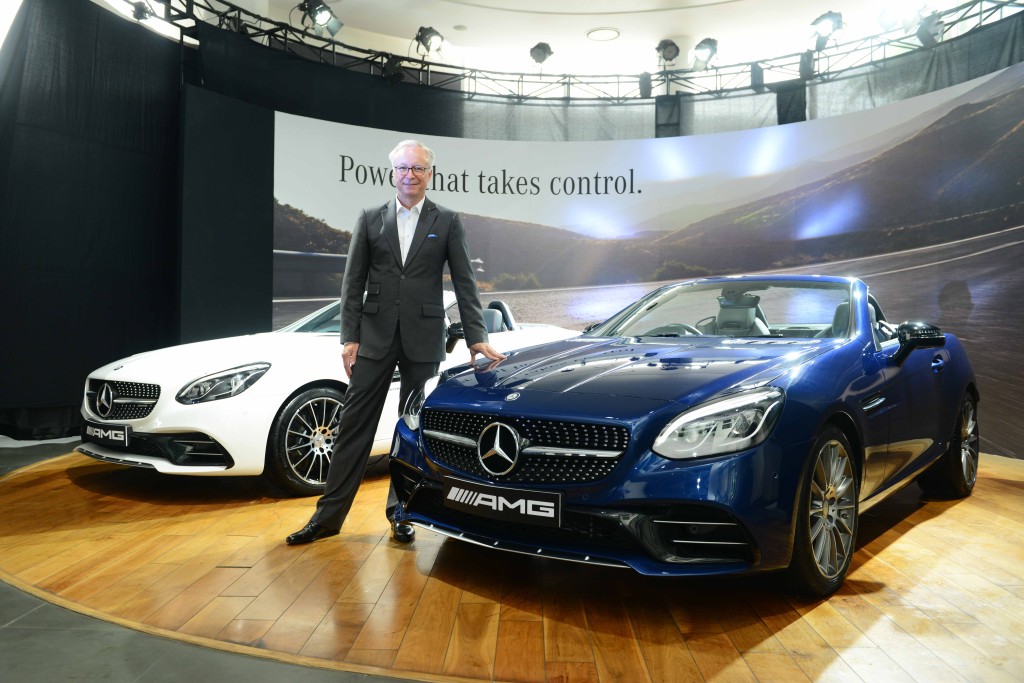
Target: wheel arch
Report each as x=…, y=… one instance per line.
x=844, y=423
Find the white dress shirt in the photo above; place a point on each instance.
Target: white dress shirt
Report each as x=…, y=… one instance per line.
x=407, y=221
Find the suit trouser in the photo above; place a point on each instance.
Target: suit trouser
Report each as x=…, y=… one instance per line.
x=364, y=401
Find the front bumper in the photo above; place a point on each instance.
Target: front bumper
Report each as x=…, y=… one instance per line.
x=227, y=437
x=174, y=453
x=726, y=515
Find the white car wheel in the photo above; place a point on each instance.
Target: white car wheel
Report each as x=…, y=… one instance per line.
x=302, y=440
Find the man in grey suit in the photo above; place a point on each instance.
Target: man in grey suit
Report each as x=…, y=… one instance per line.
x=392, y=313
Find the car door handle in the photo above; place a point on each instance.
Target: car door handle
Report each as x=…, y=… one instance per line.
x=938, y=364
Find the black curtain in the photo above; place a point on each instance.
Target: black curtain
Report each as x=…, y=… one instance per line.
x=88, y=205
x=791, y=102
x=227, y=216
x=232, y=64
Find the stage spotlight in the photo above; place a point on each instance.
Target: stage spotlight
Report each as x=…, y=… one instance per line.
x=393, y=71
x=807, y=68
x=825, y=25
x=319, y=17
x=141, y=10
x=702, y=54
x=428, y=40
x=540, y=52
x=667, y=51
x=646, y=84
x=333, y=25
x=757, y=77
x=929, y=31
x=232, y=22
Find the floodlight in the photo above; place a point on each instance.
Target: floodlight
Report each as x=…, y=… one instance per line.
x=393, y=71
x=428, y=40
x=646, y=84
x=141, y=10
x=667, y=51
x=540, y=52
x=232, y=22
x=929, y=31
x=825, y=25
x=702, y=54
x=807, y=66
x=333, y=25
x=757, y=77
x=319, y=17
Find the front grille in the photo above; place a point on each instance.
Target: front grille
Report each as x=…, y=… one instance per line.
x=575, y=465
x=133, y=400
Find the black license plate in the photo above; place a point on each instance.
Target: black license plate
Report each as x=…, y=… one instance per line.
x=106, y=434
x=543, y=508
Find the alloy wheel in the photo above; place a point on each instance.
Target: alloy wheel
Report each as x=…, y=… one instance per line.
x=832, y=509
x=309, y=440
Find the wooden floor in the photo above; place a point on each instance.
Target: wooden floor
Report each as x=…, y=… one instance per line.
x=936, y=593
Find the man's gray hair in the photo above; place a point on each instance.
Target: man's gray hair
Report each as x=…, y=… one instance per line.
x=411, y=143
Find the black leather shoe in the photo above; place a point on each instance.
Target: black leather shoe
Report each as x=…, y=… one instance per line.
x=310, y=533
x=403, y=533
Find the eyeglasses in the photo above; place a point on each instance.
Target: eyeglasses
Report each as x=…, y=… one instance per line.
x=415, y=170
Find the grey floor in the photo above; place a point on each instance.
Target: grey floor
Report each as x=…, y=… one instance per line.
x=44, y=643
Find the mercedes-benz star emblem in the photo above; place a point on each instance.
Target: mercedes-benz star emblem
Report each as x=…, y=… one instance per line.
x=498, y=448
x=105, y=400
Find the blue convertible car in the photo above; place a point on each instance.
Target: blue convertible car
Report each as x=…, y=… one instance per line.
x=716, y=426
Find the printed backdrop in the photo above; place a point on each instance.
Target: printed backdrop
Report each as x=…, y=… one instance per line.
x=923, y=199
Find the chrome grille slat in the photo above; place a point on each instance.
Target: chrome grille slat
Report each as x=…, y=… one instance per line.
x=135, y=400
x=555, y=452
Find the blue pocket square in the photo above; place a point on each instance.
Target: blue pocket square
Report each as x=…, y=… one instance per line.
x=431, y=235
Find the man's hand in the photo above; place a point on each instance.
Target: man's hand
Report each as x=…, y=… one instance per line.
x=348, y=356
x=486, y=350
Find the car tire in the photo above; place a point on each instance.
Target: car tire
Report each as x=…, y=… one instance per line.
x=302, y=441
x=954, y=474
x=827, y=518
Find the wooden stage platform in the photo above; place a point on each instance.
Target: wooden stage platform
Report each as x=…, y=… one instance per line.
x=936, y=592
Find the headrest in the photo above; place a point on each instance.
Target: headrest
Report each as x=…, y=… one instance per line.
x=841, y=320
x=735, y=318
x=492, y=320
x=734, y=300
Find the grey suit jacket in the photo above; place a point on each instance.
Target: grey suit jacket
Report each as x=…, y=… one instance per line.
x=407, y=299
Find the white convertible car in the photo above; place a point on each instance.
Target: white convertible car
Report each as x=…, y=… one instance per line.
x=256, y=404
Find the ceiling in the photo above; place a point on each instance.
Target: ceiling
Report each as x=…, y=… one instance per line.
x=498, y=34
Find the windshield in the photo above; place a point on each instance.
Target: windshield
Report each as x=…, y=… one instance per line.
x=741, y=308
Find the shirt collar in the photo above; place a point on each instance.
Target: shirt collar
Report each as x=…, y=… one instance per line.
x=417, y=208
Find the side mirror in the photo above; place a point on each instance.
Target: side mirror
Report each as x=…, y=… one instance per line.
x=455, y=333
x=591, y=326
x=916, y=335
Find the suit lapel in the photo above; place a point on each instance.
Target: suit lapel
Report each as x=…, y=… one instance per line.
x=389, y=226
x=428, y=214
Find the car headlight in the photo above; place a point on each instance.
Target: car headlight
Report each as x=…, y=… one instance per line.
x=222, y=385
x=726, y=425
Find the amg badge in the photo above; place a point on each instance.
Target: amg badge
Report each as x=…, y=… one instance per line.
x=106, y=434
x=508, y=505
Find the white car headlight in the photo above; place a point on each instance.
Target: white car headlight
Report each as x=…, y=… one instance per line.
x=726, y=425
x=222, y=384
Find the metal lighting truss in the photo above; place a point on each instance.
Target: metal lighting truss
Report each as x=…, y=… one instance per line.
x=522, y=87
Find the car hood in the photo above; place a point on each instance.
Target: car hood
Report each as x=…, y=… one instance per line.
x=202, y=358
x=685, y=370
